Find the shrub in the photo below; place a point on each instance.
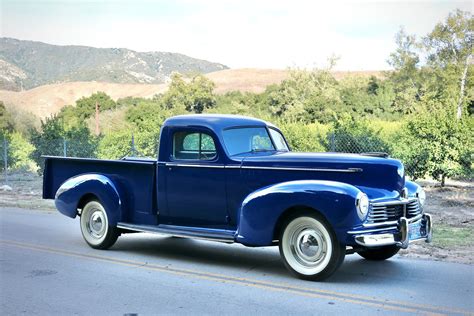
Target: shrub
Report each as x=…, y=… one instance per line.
x=438, y=145
x=115, y=145
x=20, y=150
x=304, y=137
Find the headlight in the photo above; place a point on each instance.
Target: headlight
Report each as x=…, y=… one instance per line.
x=362, y=204
x=421, y=195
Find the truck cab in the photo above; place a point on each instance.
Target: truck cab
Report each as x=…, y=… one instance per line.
x=232, y=179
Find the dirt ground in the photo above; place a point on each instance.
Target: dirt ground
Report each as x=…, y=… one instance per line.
x=452, y=208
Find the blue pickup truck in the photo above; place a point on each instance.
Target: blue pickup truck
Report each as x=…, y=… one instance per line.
x=235, y=179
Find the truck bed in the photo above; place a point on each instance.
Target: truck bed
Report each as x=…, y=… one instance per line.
x=135, y=176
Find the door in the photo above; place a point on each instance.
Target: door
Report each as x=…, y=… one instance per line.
x=195, y=181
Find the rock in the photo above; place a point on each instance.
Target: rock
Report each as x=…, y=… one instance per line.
x=5, y=188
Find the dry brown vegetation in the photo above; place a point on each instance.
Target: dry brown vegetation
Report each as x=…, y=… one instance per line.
x=49, y=99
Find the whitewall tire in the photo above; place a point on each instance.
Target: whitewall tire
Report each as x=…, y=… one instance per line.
x=309, y=247
x=95, y=226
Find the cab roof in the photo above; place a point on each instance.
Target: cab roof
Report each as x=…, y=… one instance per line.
x=216, y=122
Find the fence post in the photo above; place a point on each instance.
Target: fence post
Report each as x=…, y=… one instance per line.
x=64, y=147
x=333, y=142
x=5, y=158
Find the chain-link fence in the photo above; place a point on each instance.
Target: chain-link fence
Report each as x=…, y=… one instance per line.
x=90, y=149
x=4, y=162
x=350, y=144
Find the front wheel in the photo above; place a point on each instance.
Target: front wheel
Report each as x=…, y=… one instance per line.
x=309, y=247
x=95, y=226
x=379, y=254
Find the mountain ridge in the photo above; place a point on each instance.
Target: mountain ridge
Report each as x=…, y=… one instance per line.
x=28, y=64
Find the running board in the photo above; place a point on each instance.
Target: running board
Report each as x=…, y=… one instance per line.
x=221, y=235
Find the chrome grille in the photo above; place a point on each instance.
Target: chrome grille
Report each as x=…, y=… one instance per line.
x=413, y=209
x=386, y=212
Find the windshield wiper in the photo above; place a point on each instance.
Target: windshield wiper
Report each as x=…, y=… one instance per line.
x=253, y=151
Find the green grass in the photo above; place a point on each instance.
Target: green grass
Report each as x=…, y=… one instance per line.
x=446, y=236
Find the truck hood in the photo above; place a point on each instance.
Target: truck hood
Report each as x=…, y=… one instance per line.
x=365, y=172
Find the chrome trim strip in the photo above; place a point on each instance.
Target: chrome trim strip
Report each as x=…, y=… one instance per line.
x=352, y=232
x=170, y=164
x=303, y=169
x=410, y=220
x=395, y=202
x=379, y=224
x=174, y=164
x=232, y=167
x=170, y=232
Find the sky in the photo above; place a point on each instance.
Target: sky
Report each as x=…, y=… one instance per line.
x=239, y=34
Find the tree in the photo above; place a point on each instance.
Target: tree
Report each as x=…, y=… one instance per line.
x=442, y=146
x=195, y=96
x=6, y=123
x=366, y=97
x=73, y=116
x=406, y=75
x=85, y=106
x=307, y=96
x=146, y=119
x=53, y=137
x=449, y=48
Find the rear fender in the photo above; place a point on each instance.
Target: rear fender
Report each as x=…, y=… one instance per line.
x=74, y=189
x=261, y=210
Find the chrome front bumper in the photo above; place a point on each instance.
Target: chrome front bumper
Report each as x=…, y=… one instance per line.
x=401, y=238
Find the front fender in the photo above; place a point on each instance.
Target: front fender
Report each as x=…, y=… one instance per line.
x=412, y=188
x=72, y=190
x=260, y=211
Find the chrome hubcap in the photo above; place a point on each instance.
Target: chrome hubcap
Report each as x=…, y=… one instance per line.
x=97, y=224
x=308, y=246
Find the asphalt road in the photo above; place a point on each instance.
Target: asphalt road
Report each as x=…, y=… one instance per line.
x=47, y=269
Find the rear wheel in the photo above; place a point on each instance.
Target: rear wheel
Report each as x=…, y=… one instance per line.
x=309, y=247
x=95, y=226
x=379, y=254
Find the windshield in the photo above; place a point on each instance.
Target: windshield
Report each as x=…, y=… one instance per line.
x=252, y=139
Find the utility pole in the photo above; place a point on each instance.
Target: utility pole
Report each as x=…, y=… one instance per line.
x=97, y=127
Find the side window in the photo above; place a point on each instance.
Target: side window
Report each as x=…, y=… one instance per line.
x=193, y=146
x=278, y=139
